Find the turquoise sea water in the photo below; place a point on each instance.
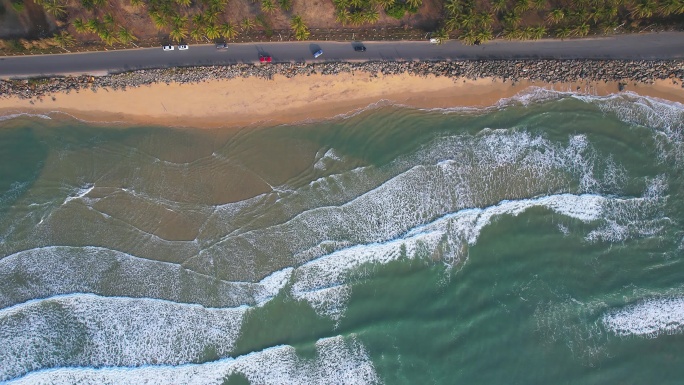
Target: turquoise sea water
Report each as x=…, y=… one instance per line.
x=537, y=241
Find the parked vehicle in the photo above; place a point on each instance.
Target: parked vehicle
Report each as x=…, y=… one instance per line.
x=435, y=41
x=222, y=46
x=264, y=59
x=167, y=47
x=318, y=53
x=360, y=48
x=182, y=47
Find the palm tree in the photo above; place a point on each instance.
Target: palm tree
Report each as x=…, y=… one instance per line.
x=453, y=7
x=467, y=20
x=414, y=3
x=54, y=8
x=522, y=6
x=644, y=9
x=452, y=24
x=286, y=5
x=108, y=20
x=302, y=34
x=356, y=18
x=179, y=21
x=555, y=16
x=538, y=32
x=197, y=33
x=211, y=17
x=441, y=34
x=581, y=30
x=485, y=34
x=342, y=16
x=300, y=29
x=228, y=31
x=79, y=25
x=107, y=36
x=126, y=37
x=178, y=33
x=267, y=6
x=498, y=5
x=512, y=19
x=212, y=32
x=339, y=4
x=158, y=20
x=184, y=3
x=671, y=7
x=247, y=24
x=198, y=20
x=469, y=37
x=563, y=32
x=484, y=19
x=371, y=16
x=63, y=40
x=136, y=3
x=93, y=26
x=218, y=5
x=385, y=4
x=539, y=4
x=88, y=4
x=512, y=32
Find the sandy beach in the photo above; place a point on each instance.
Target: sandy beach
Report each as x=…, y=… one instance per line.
x=254, y=101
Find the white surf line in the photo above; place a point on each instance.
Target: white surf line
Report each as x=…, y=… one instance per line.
x=649, y=318
x=338, y=360
x=323, y=282
x=85, y=329
x=80, y=269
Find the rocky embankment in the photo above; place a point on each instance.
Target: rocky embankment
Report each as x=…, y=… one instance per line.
x=551, y=71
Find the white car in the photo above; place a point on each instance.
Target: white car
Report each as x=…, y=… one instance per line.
x=435, y=41
x=182, y=47
x=167, y=48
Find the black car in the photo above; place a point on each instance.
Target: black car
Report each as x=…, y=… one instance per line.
x=360, y=48
x=221, y=46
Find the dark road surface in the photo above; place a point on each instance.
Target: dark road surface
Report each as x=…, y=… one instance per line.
x=664, y=45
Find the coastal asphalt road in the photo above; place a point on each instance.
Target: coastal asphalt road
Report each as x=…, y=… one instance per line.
x=664, y=45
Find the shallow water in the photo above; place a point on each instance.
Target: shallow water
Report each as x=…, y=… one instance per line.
x=537, y=241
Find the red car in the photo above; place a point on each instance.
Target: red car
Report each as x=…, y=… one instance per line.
x=264, y=59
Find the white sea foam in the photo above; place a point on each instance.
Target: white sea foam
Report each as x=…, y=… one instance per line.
x=651, y=317
x=338, y=360
x=80, y=193
x=449, y=174
x=665, y=117
x=22, y=115
x=322, y=282
x=49, y=271
x=89, y=330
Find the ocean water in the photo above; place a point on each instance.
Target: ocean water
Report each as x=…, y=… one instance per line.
x=536, y=241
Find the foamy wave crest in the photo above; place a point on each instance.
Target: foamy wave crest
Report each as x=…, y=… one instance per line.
x=338, y=361
x=88, y=330
x=49, y=271
x=634, y=218
x=322, y=282
x=651, y=317
x=665, y=117
x=23, y=115
x=450, y=174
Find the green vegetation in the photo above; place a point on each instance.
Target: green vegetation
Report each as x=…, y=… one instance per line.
x=471, y=21
x=301, y=31
x=475, y=22
x=18, y=6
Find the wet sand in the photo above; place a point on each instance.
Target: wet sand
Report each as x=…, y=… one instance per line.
x=254, y=101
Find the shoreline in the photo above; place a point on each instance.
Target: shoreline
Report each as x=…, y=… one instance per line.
x=274, y=98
